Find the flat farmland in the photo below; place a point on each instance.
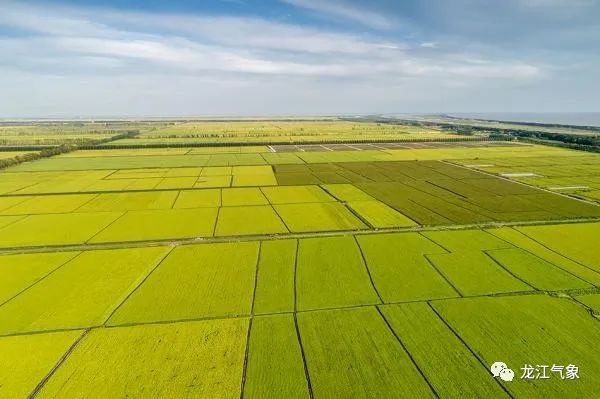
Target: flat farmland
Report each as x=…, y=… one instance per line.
x=155, y=204
x=68, y=132
x=282, y=131
x=577, y=177
x=278, y=301
x=298, y=271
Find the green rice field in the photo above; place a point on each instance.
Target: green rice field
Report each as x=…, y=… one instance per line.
x=330, y=130
x=261, y=272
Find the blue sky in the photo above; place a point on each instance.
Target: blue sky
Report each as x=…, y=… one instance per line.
x=297, y=57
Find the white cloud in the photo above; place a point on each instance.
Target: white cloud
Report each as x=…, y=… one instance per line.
x=556, y=3
x=219, y=43
x=339, y=9
x=51, y=21
x=219, y=62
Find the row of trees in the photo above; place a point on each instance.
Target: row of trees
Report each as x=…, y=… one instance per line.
x=32, y=156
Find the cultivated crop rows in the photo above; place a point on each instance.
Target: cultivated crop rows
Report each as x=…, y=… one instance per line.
x=282, y=131
x=233, y=272
x=315, y=306
x=578, y=177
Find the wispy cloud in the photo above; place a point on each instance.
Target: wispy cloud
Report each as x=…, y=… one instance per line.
x=164, y=60
x=429, y=44
x=343, y=10
x=219, y=43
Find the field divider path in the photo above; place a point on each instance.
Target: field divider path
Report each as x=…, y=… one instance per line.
x=264, y=159
x=358, y=216
x=8, y=194
x=93, y=197
x=449, y=202
x=591, y=311
x=430, y=209
x=110, y=174
x=483, y=364
x=138, y=285
x=40, y=279
x=143, y=190
x=558, y=294
x=500, y=265
x=446, y=279
x=256, y=278
x=295, y=275
x=214, y=230
x=446, y=189
x=280, y=218
x=59, y=363
x=18, y=219
x=364, y=261
x=175, y=199
x=349, y=208
x=303, y=353
x=268, y=237
x=105, y=227
x=552, y=263
x=246, y=354
x=247, y=349
x=434, y=242
x=558, y=253
x=391, y=330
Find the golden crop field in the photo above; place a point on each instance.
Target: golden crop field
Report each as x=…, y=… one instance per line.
x=400, y=268
x=283, y=131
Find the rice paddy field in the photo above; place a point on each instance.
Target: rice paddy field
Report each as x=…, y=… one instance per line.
x=282, y=131
x=67, y=132
x=578, y=177
x=300, y=272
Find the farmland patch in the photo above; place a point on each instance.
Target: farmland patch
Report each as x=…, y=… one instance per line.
x=331, y=273
x=19, y=271
x=570, y=241
x=521, y=240
x=195, y=281
x=196, y=359
x=474, y=273
x=275, y=367
x=455, y=372
x=243, y=197
x=249, y=220
x=26, y=359
x=329, y=216
x=275, y=281
x=550, y=330
x=160, y=225
x=536, y=271
x=400, y=270
x=49, y=204
x=130, y=201
x=35, y=230
x=351, y=352
x=82, y=293
x=379, y=215
x=296, y=194
x=209, y=198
